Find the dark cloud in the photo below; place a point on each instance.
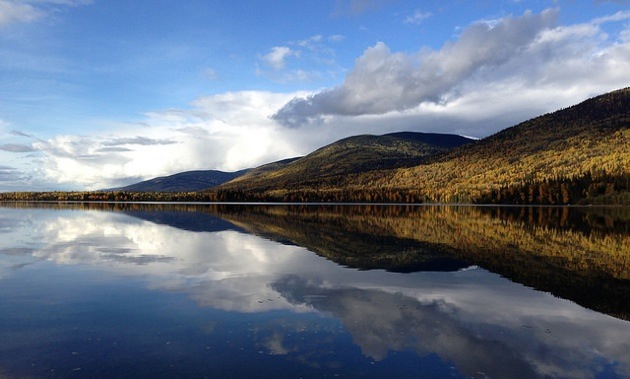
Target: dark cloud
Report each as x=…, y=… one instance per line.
x=21, y=134
x=17, y=148
x=17, y=251
x=9, y=174
x=113, y=149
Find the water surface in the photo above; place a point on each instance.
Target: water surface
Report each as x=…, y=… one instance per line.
x=128, y=290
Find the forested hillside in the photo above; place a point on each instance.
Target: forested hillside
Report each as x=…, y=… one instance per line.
x=182, y=182
x=334, y=165
x=578, y=150
x=580, y=154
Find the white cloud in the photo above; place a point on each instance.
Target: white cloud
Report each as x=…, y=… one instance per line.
x=228, y=132
x=619, y=16
x=277, y=56
x=316, y=39
x=525, y=64
x=16, y=11
x=314, y=60
x=382, y=81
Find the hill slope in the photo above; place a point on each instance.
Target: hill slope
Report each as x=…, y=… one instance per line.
x=577, y=154
x=334, y=165
x=591, y=139
x=188, y=181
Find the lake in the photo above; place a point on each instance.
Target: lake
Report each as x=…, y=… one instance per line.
x=311, y=291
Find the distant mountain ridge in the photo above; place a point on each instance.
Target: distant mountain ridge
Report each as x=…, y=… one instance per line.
x=188, y=181
x=346, y=156
x=337, y=163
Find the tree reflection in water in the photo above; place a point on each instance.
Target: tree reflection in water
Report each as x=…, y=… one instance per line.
x=430, y=280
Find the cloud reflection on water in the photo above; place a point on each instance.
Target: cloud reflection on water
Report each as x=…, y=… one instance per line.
x=477, y=320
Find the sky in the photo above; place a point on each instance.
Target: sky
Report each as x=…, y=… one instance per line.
x=103, y=93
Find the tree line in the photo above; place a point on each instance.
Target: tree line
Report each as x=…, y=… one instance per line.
x=588, y=188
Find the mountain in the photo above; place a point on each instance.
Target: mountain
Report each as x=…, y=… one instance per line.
x=576, y=154
x=584, y=142
x=188, y=181
x=336, y=164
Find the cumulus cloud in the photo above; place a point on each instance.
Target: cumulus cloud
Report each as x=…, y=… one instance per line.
x=521, y=57
x=228, y=132
x=382, y=81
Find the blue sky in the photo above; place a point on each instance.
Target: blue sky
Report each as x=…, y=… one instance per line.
x=101, y=93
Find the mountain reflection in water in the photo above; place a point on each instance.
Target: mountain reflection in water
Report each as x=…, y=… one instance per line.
x=421, y=279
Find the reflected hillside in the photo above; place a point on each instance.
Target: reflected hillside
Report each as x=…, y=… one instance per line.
x=353, y=236
x=575, y=253
x=283, y=302
x=581, y=254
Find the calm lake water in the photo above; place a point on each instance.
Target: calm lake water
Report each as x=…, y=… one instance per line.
x=185, y=290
